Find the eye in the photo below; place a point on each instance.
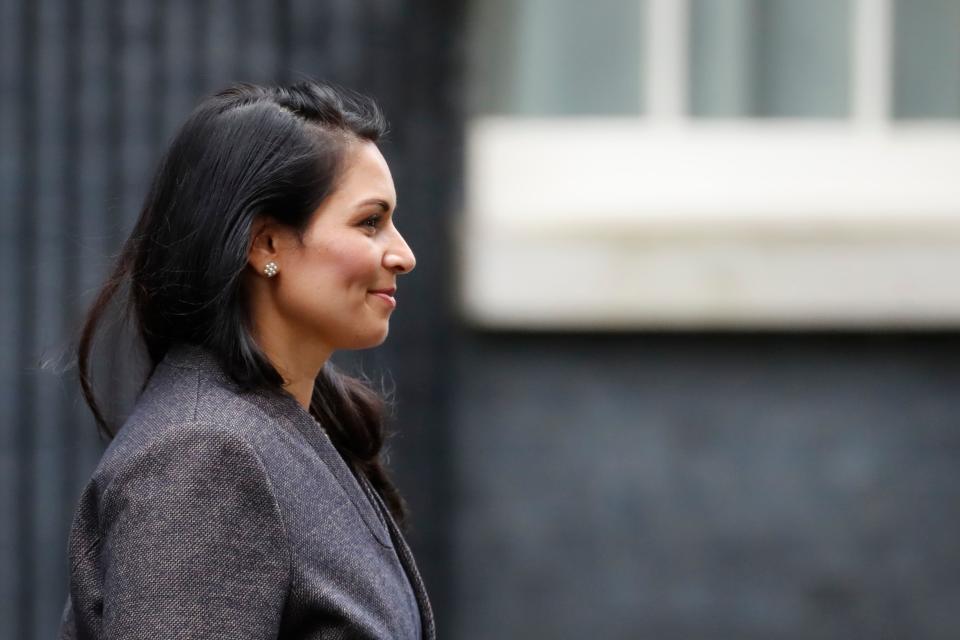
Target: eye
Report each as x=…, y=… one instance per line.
x=372, y=222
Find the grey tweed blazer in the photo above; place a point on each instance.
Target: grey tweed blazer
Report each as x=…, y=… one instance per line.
x=220, y=514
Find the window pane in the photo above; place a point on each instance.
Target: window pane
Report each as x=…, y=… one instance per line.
x=555, y=57
x=777, y=58
x=927, y=59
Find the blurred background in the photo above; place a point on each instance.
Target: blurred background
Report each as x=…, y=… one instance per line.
x=680, y=356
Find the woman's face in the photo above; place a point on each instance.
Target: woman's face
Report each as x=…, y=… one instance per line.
x=325, y=290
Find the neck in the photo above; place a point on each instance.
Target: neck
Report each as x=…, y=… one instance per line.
x=298, y=364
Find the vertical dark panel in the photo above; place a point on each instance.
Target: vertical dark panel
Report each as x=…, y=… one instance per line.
x=159, y=78
x=116, y=131
x=24, y=248
x=116, y=177
x=48, y=568
x=137, y=83
x=308, y=29
x=130, y=151
x=259, y=53
x=93, y=206
x=283, y=18
x=10, y=273
x=223, y=44
x=345, y=39
x=178, y=59
x=199, y=25
x=71, y=218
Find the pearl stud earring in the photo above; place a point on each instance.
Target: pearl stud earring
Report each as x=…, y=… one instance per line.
x=271, y=269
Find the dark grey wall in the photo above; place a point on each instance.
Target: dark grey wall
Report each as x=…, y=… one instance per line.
x=89, y=93
x=692, y=486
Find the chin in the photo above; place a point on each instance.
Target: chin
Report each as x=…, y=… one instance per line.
x=382, y=338
x=371, y=341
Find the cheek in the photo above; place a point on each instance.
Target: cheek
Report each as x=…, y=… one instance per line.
x=342, y=268
x=356, y=266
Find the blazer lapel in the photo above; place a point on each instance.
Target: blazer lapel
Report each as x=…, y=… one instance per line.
x=338, y=467
x=409, y=565
x=329, y=454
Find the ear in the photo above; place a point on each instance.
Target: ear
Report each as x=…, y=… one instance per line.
x=264, y=242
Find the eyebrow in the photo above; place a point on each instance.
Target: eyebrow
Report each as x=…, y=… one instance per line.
x=383, y=204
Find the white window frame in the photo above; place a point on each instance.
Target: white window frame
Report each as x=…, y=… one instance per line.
x=666, y=221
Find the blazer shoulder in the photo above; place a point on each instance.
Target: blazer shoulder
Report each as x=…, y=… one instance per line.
x=180, y=403
x=193, y=512
x=193, y=452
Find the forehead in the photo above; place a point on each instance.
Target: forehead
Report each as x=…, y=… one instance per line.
x=365, y=172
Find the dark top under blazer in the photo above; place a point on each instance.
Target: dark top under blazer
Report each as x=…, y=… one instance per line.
x=220, y=514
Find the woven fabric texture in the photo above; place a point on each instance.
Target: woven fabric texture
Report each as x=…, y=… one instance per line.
x=220, y=514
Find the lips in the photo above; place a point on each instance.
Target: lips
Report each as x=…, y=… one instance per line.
x=386, y=295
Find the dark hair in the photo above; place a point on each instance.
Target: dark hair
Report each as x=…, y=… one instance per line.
x=244, y=151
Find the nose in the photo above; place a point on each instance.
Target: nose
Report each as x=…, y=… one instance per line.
x=398, y=257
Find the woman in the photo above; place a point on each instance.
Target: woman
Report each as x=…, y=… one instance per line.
x=244, y=497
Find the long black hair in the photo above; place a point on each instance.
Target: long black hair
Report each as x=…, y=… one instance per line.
x=245, y=151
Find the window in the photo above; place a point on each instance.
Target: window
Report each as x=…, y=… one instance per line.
x=926, y=58
x=540, y=57
x=772, y=58
x=756, y=163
